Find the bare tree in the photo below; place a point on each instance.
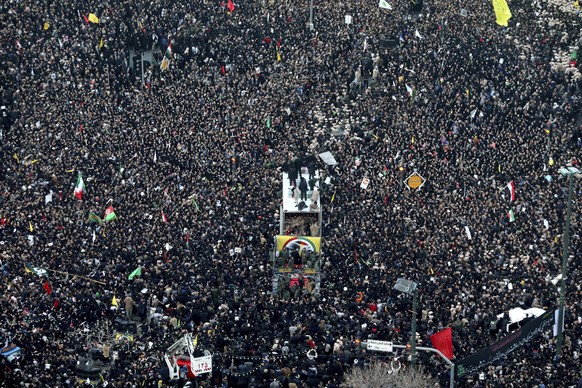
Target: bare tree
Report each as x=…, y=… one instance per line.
x=382, y=375
x=414, y=377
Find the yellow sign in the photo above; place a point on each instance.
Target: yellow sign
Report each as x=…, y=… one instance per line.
x=415, y=181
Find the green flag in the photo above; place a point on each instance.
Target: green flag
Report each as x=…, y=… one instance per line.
x=269, y=123
x=511, y=215
x=135, y=273
x=95, y=218
x=35, y=270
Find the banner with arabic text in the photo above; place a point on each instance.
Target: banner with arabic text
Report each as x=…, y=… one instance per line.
x=506, y=346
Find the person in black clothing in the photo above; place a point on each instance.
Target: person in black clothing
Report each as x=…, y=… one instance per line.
x=292, y=175
x=311, y=170
x=303, y=189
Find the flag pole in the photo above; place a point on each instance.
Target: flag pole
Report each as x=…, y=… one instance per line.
x=311, y=15
x=142, y=81
x=79, y=276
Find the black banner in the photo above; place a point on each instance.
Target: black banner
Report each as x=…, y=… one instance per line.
x=498, y=351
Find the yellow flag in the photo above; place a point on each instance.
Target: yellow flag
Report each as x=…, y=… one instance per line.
x=165, y=63
x=502, y=12
x=101, y=43
x=412, y=140
x=499, y=168
x=333, y=197
x=26, y=269
x=30, y=227
x=551, y=161
x=93, y=18
x=195, y=342
x=467, y=92
x=114, y=301
x=15, y=156
x=278, y=57
x=46, y=26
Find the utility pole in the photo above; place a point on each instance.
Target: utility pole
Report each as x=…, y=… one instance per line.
x=413, y=341
x=569, y=172
x=409, y=287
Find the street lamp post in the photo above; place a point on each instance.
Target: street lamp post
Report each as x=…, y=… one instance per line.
x=409, y=287
x=569, y=172
x=414, y=306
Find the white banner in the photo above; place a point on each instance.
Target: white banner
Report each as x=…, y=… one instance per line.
x=201, y=365
x=328, y=158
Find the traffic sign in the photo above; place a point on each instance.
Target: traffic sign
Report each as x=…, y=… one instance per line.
x=415, y=181
x=382, y=346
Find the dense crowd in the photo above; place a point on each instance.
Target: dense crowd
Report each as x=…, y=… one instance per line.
x=469, y=105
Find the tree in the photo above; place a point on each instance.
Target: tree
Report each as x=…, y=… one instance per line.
x=381, y=375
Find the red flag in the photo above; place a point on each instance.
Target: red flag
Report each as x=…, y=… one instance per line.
x=223, y=70
x=56, y=304
x=279, y=43
x=230, y=6
x=46, y=286
x=443, y=341
x=86, y=20
x=164, y=218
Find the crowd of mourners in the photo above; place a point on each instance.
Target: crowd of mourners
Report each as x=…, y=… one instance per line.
x=441, y=90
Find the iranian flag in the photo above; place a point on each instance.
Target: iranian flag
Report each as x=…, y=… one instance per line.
x=79, y=187
x=169, y=50
x=511, y=187
x=511, y=215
